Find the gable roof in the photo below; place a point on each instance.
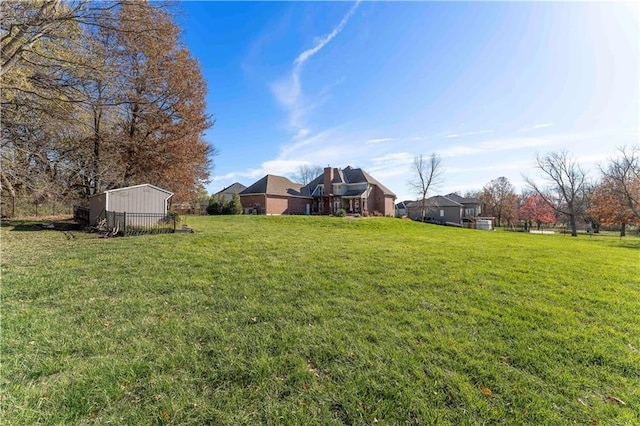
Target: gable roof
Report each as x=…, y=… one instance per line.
x=235, y=187
x=276, y=185
x=349, y=175
x=403, y=204
x=148, y=185
x=463, y=200
x=436, y=201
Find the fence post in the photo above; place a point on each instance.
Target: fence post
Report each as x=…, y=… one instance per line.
x=124, y=223
x=174, y=223
x=36, y=207
x=13, y=206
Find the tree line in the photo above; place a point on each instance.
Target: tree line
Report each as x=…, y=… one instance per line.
x=99, y=95
x=566, y=193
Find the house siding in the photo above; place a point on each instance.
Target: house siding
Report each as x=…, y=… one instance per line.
x=451, y=213
x=137, y=200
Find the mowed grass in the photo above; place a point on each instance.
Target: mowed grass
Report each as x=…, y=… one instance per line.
x=319, y=320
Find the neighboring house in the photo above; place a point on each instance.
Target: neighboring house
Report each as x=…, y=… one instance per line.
x=401, y=208
x=275, y=195
x=472, y=206
x=227, y=193
x=450, y=208
x=353, y=190
x=143, y=198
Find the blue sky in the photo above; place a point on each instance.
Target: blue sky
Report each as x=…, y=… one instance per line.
x=487, y=86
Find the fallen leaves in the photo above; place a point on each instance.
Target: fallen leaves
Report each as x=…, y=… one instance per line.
x=487, y=391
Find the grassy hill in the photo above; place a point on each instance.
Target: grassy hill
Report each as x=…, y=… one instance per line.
x=318, y=320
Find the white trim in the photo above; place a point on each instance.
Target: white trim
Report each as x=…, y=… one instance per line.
x=139, y=186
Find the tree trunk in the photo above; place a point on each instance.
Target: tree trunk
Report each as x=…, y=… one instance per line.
x=572, y=225
x=623, y=229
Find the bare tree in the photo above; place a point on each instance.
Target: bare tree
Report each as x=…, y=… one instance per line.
x=501, y=199
x=567, y=185
x=427, y=173
x=623, y=175
x=305, y=173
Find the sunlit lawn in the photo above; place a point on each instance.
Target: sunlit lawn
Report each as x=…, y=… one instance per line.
x=319, y=320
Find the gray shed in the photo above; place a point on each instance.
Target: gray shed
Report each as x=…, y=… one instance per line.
x=143, y=198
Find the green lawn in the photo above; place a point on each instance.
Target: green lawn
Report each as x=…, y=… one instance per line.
x=319, y=320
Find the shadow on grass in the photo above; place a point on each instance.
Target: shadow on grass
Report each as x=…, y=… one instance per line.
x=41, y=225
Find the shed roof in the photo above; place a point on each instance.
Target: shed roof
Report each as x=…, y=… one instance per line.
x=148, y=185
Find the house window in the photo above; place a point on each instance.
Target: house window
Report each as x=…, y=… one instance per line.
x=441, y=213
x=470, y=212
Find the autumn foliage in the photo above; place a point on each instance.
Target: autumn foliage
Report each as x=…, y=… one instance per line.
x=537, y=210
x=101, y=95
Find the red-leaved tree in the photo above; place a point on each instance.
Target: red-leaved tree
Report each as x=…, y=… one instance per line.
x=537, y=209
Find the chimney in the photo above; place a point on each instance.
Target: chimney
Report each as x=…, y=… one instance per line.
x=328, y=178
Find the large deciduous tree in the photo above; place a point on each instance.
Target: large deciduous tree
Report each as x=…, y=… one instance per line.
x=164, y=117
x=566, y=185
x=622, y=177
x=501, y=200
x=426, y=174
x=608, y=206
x=97, y=95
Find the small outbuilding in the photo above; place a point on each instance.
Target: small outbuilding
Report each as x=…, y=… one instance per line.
x=145, y=198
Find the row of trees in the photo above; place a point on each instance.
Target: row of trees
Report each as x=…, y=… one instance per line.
x=567, y=193
x=612, y=199
x=98, y=95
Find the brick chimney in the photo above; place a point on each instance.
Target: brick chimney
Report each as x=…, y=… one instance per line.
x=328, y=178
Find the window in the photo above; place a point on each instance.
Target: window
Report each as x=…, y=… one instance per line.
x=441, y=213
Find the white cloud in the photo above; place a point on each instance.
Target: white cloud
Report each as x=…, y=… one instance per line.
x=535, y=127
x=288, y=90
x=379, y=140
x=233, y=176
x=478, y=132
x=281, y=167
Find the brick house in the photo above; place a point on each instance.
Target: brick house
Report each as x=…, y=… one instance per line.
x=276, y=195
x=353, y=190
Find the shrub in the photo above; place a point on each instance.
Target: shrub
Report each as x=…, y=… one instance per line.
x=341, y=213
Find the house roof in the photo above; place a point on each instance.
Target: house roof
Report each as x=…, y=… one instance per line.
x=148, y=185
x=276, y=185
x=463, y=200
x=436, y=201
x=350, y=175
x=235, y=187
x=403, y=204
